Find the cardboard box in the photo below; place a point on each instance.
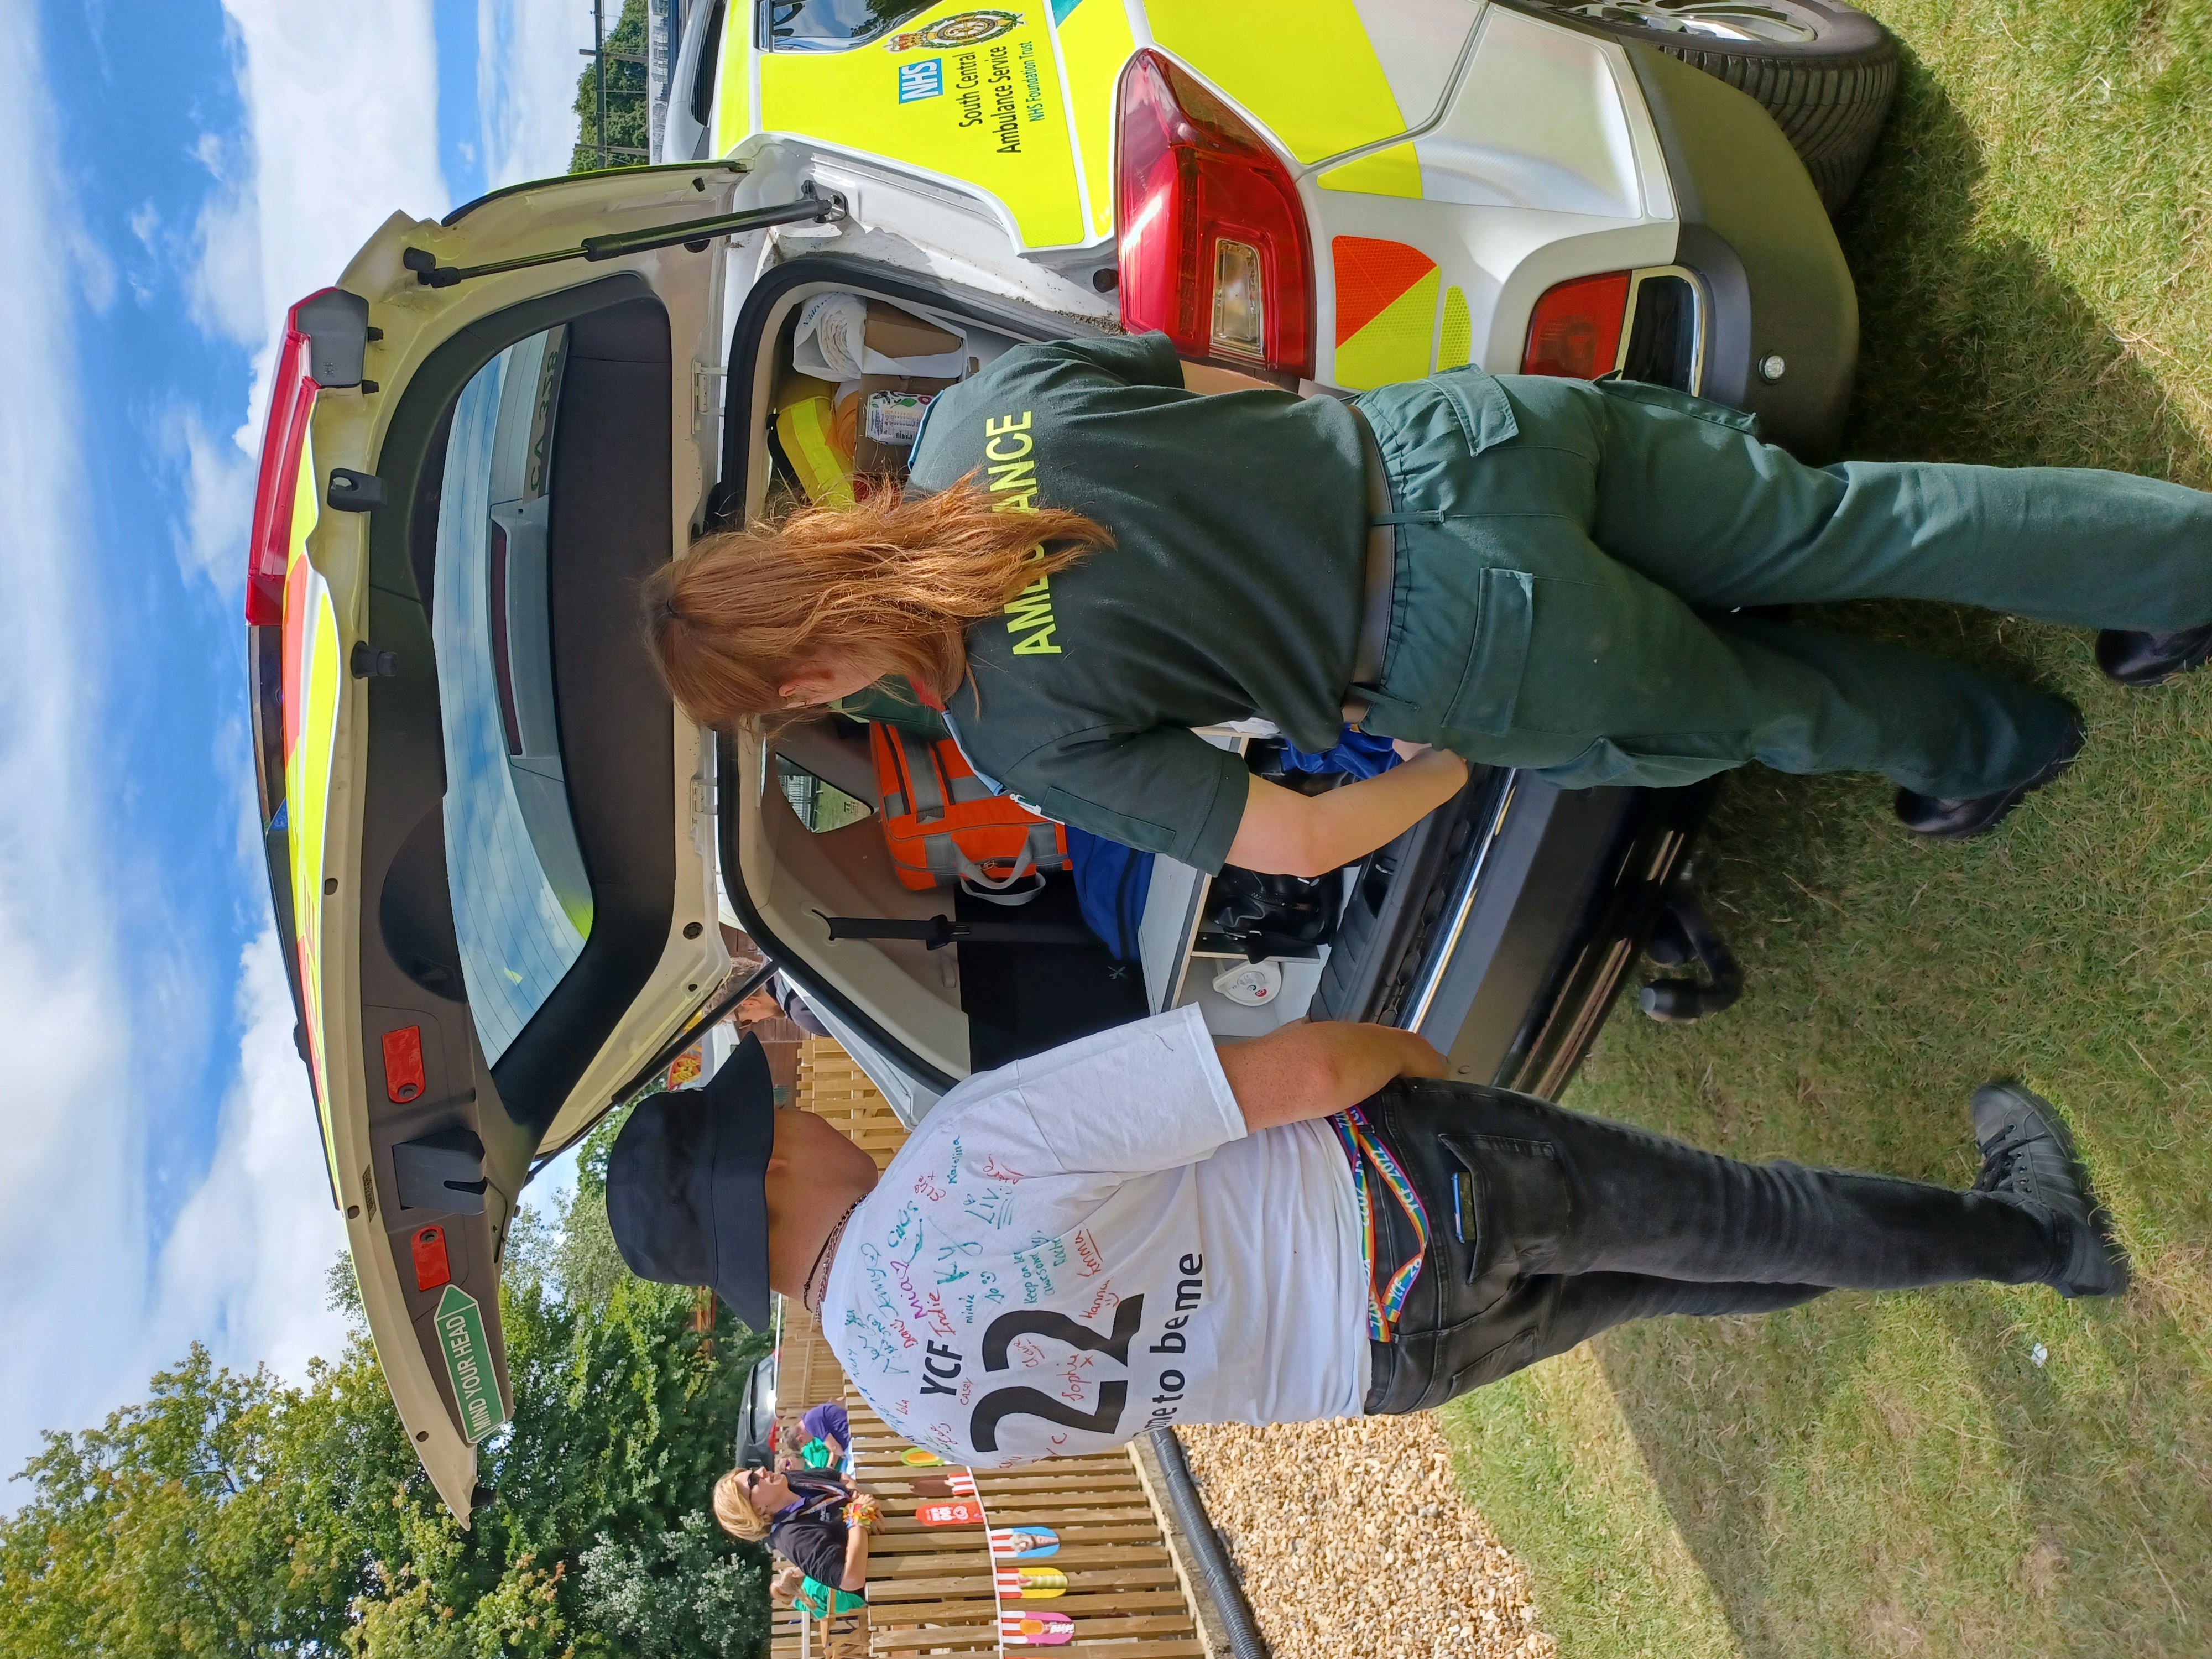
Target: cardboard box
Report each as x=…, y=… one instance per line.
x=875, y=455
x=898, y=333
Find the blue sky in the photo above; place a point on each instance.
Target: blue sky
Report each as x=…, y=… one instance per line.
x=175, y=173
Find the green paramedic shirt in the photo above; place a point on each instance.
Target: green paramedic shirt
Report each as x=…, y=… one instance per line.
x=1232, y=590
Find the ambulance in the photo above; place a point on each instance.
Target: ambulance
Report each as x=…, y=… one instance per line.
x=507, y=872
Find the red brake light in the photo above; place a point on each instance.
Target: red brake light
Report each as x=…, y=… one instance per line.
x=291, y=400
x=1574, y=331
x=1213, y=245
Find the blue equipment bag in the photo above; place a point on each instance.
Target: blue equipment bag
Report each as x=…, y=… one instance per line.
x=1361, y=754
x=1111, y=882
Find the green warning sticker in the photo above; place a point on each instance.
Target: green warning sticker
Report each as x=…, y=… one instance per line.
x=468, y=1362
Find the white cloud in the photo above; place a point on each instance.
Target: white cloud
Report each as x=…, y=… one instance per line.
x=87, y=1298
x=89, y=1302
x=295, y=195
x=340, y=101
x=218, y=478
x=224, y=287
x=242, y=1269
x=145, y=222
x=93, y=270
x=311, y=179
x=72, y=1205
x=526, y=69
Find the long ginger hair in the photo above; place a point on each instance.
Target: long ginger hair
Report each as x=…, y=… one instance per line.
x=888, y=586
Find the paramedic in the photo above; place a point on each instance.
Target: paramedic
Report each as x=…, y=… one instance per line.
x=1525, y=572
x=1135, y=1230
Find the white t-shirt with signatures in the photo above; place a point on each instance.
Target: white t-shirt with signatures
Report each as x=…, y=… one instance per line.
x=1086, y=1245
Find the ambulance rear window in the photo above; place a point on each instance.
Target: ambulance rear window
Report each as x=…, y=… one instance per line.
x=830, y=24
x=522, y=903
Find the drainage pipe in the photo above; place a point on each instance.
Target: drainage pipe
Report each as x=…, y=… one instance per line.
x=1244, y=1639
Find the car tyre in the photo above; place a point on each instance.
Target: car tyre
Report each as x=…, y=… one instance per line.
x=1826, y=73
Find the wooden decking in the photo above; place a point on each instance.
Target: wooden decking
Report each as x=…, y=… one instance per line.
x=946, y=1589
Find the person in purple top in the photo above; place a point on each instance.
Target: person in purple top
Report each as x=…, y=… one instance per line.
x=827, y=1425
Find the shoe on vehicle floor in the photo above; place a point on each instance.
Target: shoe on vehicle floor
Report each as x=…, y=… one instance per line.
x=2136, y=657
x=2028, y=1160
x=1942, y=818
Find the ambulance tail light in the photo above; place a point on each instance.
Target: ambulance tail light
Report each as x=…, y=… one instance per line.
x=291, y=400
x=1574, y=331
x=1213, y=244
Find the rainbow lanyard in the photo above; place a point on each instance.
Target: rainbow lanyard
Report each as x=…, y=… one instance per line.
x=1386, y=1303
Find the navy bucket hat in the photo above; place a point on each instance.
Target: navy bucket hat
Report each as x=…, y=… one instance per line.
x=686, y=1197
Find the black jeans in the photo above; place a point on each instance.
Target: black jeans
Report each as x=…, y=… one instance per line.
x=1547, y=1226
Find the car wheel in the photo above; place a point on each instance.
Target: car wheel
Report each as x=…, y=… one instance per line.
x=1825, y=73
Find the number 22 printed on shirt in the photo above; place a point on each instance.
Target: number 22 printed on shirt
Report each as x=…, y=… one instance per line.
x=1002, y=1403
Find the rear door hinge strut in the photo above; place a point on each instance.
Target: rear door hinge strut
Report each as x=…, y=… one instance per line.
x=697, y=234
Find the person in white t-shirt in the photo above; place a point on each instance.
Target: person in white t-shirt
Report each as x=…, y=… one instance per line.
x=1137, y=1230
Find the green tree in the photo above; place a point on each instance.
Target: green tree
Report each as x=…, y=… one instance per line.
x=232, y=1513
x=178, y=1527
x=680, y=1596
x=629, y=115
x=582, y=1259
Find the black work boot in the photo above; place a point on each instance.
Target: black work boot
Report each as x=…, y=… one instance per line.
x=2151, y=658
x=2028, y=1160
x=1959, y=819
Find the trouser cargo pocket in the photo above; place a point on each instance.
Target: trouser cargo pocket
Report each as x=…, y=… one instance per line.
x=1498, y=654
x=1499, y=1208
x=1508, y=1209
x=1681, y=403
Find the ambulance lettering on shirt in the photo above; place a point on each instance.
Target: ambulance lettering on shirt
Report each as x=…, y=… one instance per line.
x=1012, y=470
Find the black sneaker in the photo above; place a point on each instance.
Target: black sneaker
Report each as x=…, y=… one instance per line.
x=2028, y=1160
x=1959, y=819
x=2146, y=658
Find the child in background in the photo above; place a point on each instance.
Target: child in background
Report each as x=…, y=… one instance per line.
x=792, y=1587
x=826, y=1438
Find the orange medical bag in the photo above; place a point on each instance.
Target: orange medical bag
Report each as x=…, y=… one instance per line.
x=946, y=827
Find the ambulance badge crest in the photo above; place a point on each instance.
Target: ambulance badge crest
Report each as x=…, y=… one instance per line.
x=963, y=28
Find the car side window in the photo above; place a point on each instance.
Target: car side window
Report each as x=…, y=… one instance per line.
x=830, y=24
x=821, y=804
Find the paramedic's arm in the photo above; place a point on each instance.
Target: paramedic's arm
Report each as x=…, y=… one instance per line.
x=1286, y=834
x=1305, y=1071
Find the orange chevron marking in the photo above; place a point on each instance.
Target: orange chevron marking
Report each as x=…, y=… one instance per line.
x=1369, y=274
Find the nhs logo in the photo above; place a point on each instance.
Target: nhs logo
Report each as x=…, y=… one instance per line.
x=923, y=80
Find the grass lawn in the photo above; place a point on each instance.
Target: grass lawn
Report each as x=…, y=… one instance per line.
x=1904, y=1476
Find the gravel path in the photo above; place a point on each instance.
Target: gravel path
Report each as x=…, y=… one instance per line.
x=1353, y=1542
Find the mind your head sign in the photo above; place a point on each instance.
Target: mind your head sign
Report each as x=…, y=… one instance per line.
x=468, y=1361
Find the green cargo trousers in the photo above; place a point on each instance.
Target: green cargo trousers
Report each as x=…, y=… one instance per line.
x=1567, y=553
